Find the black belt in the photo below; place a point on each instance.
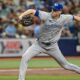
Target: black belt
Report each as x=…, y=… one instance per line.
x=46, y=43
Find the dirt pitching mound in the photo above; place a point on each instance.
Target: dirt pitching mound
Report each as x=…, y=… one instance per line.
x=43, y=71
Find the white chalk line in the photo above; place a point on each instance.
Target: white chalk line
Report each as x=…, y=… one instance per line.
x=43, y=69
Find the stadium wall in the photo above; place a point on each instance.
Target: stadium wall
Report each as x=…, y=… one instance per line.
x=16, y=47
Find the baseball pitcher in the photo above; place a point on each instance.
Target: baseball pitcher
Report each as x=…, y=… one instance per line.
x=47, y=36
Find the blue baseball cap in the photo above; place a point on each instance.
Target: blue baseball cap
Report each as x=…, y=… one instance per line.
x=57, y=6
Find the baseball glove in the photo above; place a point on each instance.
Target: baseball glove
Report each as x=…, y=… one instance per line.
x=27, y=20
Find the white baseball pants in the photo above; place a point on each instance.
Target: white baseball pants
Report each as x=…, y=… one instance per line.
x=54, y=52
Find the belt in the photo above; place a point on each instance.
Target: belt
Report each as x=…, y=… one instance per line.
x=46, y=43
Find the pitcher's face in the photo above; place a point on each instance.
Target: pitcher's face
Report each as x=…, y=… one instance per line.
x=56, y=13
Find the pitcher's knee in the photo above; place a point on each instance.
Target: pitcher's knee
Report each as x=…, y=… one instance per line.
x=24, y=58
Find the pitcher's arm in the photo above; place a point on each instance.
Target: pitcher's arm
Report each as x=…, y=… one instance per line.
x=77, y=18
x=28, y=12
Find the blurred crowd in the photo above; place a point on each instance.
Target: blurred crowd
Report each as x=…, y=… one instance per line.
x=11, y=9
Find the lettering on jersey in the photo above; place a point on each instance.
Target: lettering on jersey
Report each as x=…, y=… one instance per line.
x=53, y=26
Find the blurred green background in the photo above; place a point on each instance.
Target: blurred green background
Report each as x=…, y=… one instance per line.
x=35, y=63
x=38, y=63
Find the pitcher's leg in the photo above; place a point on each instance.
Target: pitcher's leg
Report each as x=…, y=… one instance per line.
x=31, y=52
x=56, y=53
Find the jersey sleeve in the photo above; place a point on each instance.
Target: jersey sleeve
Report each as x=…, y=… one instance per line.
x=68, y=20
x=41, y=14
